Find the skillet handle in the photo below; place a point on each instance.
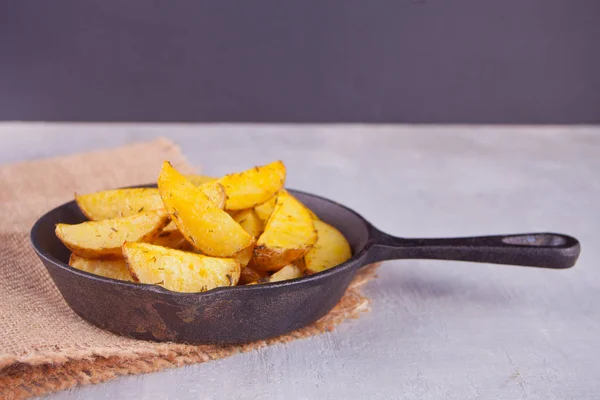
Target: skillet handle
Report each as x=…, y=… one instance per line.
x=544, y=250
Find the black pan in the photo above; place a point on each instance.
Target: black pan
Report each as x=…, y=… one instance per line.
x=246, y=313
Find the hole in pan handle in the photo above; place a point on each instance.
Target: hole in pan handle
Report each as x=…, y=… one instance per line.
x=544, y=250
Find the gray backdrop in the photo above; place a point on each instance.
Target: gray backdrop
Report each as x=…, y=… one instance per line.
x=474, y=61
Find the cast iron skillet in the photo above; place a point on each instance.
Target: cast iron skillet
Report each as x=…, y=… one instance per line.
x=246, y=313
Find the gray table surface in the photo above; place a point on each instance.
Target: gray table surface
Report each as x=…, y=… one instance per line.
x=437, y=330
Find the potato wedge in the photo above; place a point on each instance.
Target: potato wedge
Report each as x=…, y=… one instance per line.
x=264, y=210
x=290, y=271
x=102, y=239
x=254, y=186
x=249, y=275
x=208, y=228
x=288, y=235
x=200, y=180
x=250, y=222
x=115, y=269
x=171, y=237
x=178, y=270
x=118, y=203
x=331, y=249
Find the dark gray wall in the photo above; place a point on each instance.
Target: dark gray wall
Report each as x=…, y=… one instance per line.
x=473, y=61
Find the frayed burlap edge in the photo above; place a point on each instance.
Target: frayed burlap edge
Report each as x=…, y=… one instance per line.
x=34, y=377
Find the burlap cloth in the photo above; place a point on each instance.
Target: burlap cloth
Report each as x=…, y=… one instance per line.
x=44, y=346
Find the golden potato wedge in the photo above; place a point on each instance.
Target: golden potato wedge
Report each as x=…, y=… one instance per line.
x=208, y=228
x=172, y=239
x=264, y=210
x=249, y=275
x=290, y=271
x=331, y=249
x=118, y=203
x=250, y=222
x=103, y=239
x=115, y=269
x=199, y=180
x=288, y=235
x=177, y=270
x=254, y=186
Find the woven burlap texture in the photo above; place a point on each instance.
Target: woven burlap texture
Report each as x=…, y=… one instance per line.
x=44, y=346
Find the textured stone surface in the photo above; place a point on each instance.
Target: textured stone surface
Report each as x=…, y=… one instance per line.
x=437, y=329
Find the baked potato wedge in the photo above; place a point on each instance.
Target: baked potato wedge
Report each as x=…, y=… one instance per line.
x=177, y=270
x=250, y=222
x=331, y=249
x=103, y=239
x=208, y=228
x=115, y=269
x=288, y=235
x=254, y=186
x=118, y=203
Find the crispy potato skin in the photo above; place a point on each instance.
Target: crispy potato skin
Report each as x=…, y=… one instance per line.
x=250, y=222
x=118, y=203
x=331, y=249
x=243, y=256
x=249, y=275
x=273, y=259
x=115, y=269
x=103, y=239
x=301, y=264
x=208, y=228
x=254, y=186
x=288, y=235
x=178, y=270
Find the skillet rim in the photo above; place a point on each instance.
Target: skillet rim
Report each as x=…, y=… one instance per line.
x=218, y=290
